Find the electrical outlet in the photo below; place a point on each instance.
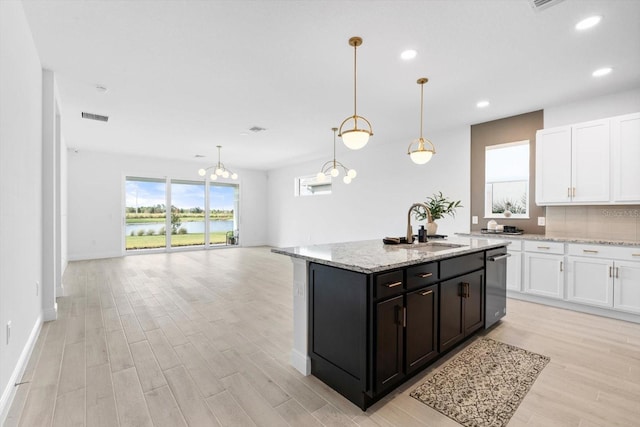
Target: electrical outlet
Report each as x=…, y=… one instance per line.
x=474, y=219
x=542, y=221
x=8, y=331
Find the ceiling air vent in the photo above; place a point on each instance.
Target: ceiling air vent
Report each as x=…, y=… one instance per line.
x=97, y=117
x=539, y=5
x=256, y=129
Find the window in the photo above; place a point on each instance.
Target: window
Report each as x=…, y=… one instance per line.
x=200, y=213
x=311, y=186
x=507, y=180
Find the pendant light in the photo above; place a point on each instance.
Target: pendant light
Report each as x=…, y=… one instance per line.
x=355, y=138
x=421, y=155
x=332, y=167
x=218, y=170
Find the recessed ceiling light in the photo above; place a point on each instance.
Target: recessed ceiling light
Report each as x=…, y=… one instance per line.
x=482, y=104
x=602, y=72
x=408, y=54
x=588, y=23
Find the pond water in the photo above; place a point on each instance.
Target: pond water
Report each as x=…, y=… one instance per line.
x=191, y=227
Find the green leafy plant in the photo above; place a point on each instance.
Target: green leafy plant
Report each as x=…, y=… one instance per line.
x=439, y=206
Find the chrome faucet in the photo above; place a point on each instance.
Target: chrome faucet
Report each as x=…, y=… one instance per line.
x=409, y=228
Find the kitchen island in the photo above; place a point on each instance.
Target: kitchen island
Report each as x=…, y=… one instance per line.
x=367, y=316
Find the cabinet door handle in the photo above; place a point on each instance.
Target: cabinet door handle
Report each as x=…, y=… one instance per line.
x=465, y=290
x=617, y=273
x=568, y=191
x=404, y=317
x=589, y=251
x=610, y=273
x=424, y=275
x=573, y=192
x=393, y=285
x=544, y=247
x=425, y=293
x=561, y=265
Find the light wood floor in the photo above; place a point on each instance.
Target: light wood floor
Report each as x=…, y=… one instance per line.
x=203, y=338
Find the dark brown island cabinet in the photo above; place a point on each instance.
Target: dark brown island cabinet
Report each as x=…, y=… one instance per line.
x=370, y=332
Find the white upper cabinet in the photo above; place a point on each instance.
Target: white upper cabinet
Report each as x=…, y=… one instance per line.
x=589, y=163
x=590, y=148
x=625, y=170
x=553, y=165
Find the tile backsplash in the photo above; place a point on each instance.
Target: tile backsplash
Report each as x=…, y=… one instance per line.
x=594, y=222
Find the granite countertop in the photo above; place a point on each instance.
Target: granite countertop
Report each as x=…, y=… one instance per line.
x=552, y=238
x=373, y=256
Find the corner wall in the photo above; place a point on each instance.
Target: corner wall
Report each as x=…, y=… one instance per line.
x=20, y=196
x=375, y=204
x=95, y=197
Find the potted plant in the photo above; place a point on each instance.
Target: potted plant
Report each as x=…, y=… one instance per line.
x=439, y=206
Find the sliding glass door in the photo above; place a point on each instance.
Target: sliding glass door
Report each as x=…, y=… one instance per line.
x=187, y=213
x=145, y=213
x=200, y=213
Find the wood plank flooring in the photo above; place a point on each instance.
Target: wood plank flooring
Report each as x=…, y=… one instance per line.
x=203, y=338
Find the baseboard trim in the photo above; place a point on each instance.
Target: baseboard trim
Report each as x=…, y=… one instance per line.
x=84, y=257
x=301, y=362
x=51, y=313
x=10, y=390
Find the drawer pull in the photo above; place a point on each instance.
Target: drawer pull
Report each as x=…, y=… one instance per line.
x=589, y=251
x=393, y=285
x=425, y=293
x=561, y=266
x=424, y=275
x=635, y=254
x=544, y=247
x=610, y=273
x=404, y=317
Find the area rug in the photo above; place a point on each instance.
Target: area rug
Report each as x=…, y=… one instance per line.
x=483, y=385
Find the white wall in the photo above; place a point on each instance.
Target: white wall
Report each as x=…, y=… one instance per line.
x=20, y=195
x=96, y=194
x=375, y=204
x=593, y=109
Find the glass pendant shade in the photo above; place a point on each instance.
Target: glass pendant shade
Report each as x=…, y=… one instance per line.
x=331, y=168
x=202, y=172
x=320, y=177
x=335, y=172
x=213, y=177
x=234, y=176
x=355, y=139
x=346, y=179
x=352, y=173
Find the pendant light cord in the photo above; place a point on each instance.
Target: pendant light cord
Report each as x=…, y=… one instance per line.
x=421, y=107
x=355, y=83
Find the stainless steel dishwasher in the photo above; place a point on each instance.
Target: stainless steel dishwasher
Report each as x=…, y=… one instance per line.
x=496, y=286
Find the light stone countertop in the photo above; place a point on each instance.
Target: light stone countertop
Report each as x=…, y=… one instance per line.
x=373, y=256
x=551, y=238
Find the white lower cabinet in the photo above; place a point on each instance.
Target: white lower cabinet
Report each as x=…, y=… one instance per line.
x=514, y=266
x=603, y=276
x=590, y=281
x=626, y=286
x=544, y=274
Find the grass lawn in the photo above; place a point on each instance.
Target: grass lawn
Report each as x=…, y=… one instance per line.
x=158, y=241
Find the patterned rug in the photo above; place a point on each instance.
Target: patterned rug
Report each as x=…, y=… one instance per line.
x=483, y=385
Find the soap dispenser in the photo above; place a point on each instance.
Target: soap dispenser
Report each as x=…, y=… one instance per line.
x=422, y=234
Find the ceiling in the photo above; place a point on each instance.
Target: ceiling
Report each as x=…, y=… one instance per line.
x=184, y=76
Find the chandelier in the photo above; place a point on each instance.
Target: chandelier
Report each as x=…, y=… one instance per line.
x=332, y=167
x=355, y=138
x=421, y=154
x=218, y=170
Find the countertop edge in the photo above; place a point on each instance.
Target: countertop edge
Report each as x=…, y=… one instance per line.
x=543, y=237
